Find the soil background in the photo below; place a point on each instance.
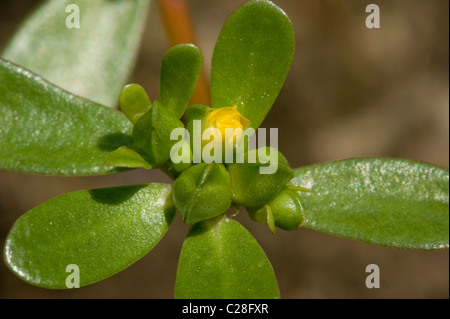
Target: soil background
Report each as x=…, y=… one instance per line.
x=351, y=92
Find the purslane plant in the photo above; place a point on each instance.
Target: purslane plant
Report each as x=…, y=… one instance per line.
x=46, y=130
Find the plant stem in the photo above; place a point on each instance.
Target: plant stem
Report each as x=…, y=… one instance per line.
x=179, y=28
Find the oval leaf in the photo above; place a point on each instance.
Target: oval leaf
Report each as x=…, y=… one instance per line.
x=180, y=69
x=45, y=130
x=389, y=202
x=101, y=231
x=251, y=59
x=134, y=102
x=127, y=157
x=94, y=60
x=221, y=259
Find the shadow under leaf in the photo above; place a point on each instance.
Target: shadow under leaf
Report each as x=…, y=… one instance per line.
x=113, y=141
x=115, y=195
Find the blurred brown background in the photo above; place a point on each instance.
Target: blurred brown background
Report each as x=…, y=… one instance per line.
x=351, y=92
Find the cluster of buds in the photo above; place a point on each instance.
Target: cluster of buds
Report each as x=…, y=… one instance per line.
x=205, y=189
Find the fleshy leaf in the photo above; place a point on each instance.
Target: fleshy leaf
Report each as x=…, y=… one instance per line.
x=134, y=102
x=93, y=61
x=152, y=131
x=221, y=259
x=180, y=69
x=389, y=202
x=46, y=130
x=126, y=157
x=102, y=231
x=251, y=59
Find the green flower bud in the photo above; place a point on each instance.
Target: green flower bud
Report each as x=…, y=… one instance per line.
x=181, y=166
x=284, y=211
x=202, y=192
x=263, y=215
x=254, y=184
x=151, y=133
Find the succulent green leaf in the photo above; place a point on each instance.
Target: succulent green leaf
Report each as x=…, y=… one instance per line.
x=46, y=130
x=92, y=61
x=126, y=157
x=220, y=259
x=201, y=192
x=180, y=69
x=152, y=132
x=196, y=112
x=251, y=185
x=389, y=202
x=102, y=231
x=134, y=102
x=251, y=59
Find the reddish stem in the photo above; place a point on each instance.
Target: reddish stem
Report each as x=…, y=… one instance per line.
x=179, y=28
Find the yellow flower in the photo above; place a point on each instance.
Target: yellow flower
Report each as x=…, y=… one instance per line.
x=227, y=117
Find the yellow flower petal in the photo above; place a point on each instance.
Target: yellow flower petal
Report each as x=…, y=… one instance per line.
x=227, y=117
